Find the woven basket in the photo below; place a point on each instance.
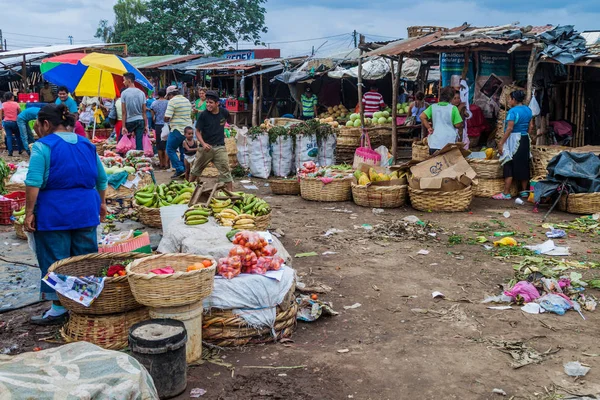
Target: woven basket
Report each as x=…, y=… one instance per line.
x=285, y=186
x=379, y=196
x=489, y=187
x=315, y=190
x=231, y=145
x=435, y=200
x=285, y=121
x=20, y=231
x=116, y=297
x=542, y=155
x=580, y=203
x=420, y=151
x=211, y=171
x=172, y=290
x=14, y=187
x=233, y=161
x=99, y=148
x=262, y=222
x=107, y=331
x=148, y=216
x=123, y=193
x=499, y=128
x=223, y=328
x=486, y=169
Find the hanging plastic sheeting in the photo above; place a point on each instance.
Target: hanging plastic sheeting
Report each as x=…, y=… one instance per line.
x=564, y=44
x=377, y=68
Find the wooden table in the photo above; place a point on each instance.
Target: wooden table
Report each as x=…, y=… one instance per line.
x=239, y=116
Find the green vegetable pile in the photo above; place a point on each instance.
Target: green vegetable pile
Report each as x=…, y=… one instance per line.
x=4, y=173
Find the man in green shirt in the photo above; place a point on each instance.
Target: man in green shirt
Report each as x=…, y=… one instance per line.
x=441, y=121
x=309, y=104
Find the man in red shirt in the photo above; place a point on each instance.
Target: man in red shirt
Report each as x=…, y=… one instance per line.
x=372, y=101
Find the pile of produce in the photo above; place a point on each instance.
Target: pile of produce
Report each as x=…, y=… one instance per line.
x=382, y=117
x=490, y=154
x=155, y=196
x=402, y=108
x=239, y=213
x=134, y=161
x=265, y=126
x=335, y=112
x=19, y=216
x=113, y=271
x=251, y=254
x=373, y=176
x=168, y=270
x=310, y=170
x=196, y=215
x=329, y=121
x=4, y=174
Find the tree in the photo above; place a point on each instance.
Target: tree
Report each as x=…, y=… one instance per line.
x=185, y=26
x=128, y=13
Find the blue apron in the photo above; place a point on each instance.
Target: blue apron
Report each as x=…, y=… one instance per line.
x=70, y=199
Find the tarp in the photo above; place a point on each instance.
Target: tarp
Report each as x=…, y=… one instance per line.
x=378, y=68
x=564, y=44
x=580, y=170
x=78, y=370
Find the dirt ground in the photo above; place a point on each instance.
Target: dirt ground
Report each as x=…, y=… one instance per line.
x=400, y=343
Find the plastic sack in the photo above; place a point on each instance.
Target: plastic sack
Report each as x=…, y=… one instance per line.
x=534, y=106
x=386, y=157
x=556, y=303
x=307, y=149
x=125, y=144
x=20, y=174
x=164, y=133
x=147, y=145
x=259, y=156
x=229, y=267
x=241, y=141
x=282, y=151
x=326, y=156
x=525, y=289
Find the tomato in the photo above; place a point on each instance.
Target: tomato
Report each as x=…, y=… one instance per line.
x=314, y=296
x=207, y=263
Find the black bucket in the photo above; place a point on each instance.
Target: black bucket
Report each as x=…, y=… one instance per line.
x=161, y=350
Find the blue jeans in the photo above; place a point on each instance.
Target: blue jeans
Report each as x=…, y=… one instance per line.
x=52, y=246
x=12, y=136
x=136, y=127
x=26, y=134
x=174, y=143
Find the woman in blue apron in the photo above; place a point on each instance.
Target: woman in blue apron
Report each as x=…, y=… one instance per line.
x=65, y=189
x=514, y=147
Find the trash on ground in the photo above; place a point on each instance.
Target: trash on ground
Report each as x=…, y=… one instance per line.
x=197, y=392
x=575, y=368
x=310, y=310
x=404, y=230
x=501, y=308
x=498, y=299
x=437, y=295
x=309, y=254
x=523, y=291
x=332, y=231
x=549, y=248
x=554, y=233
x=378, y=211
x=343, y=351
x=519, y=202
x=328, y=253
x=500, y=391
x=506, y=214
x=501, y=234
x=506, y=241
x=423, y=252
x=521, y=354
x=532, y=308
x=353, y=306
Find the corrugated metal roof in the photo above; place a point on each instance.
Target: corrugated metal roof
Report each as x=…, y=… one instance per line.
x=406, y=46
x=452, y=43
x=185, y=65
x=238, y=64
x=152, y=62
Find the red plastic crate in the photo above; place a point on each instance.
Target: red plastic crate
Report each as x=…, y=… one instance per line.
x=29, y=98
x=16, y=202
x=234, y=105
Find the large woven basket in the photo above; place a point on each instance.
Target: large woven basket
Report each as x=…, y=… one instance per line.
x=489, y=187
x=349, y=137
x=580, y=203
x=99, y=148
x=20, y=231
x=116, y=297
x=107, y=331
x=148, y=216
x=542, y=155
x=262, y=222
x=379, y=196
x=315, y=190
x=285, y=186
x=420, y=151
x=172, y=290
x=14, y=187
x=435, y=200
x=285, y=121
x=123, y=192
x=486, y=169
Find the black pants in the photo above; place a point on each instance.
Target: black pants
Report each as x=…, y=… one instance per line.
x=518, y=167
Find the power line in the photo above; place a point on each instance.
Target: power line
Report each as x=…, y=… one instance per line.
x=35, y=36
x=309, y=40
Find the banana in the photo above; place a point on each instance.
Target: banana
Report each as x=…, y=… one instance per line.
x=197, y=212
x=242, y=216
x=199, y=222
x=229, y=211
x=186, y=190
x=252, y=226
x=19, y=213
x=244, y=221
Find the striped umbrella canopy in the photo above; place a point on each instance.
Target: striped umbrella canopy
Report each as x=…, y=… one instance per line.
x=92, y=74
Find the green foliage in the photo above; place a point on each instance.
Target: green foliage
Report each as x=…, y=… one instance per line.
x=156, y=27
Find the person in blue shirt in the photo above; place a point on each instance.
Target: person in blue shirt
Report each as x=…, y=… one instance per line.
x=514, y=147
x=64, y=98
x=65, y=198
x=25, y=116
x=149, y=102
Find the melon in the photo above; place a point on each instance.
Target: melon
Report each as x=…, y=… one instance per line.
x=350, y=123
x=357, y=123
x=382, y=120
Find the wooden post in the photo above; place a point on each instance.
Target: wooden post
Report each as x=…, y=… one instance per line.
x=531, y=67
x=580, y=115
x=24, y=74
x=396, y=74
x=360, y=84
x=260, y=104
x=254, y=101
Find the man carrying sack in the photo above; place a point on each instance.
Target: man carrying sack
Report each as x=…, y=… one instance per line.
x=210, y=131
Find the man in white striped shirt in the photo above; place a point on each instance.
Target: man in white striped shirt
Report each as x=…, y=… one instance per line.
x=372, y=101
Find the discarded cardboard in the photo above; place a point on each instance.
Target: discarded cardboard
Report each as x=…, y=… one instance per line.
x=448, y=171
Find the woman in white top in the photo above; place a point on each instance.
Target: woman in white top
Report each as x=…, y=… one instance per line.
x=441, y=121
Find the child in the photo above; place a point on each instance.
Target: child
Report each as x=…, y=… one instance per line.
x=190, y=146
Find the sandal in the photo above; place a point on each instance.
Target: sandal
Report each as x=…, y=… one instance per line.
x=502, y=196
x=524, y=194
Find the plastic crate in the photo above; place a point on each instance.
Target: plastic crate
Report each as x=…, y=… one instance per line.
x=13, y=201
x=29, y=98
x=234, y=105
x=137, y=244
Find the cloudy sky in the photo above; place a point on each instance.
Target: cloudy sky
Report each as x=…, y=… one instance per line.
x=291, y=22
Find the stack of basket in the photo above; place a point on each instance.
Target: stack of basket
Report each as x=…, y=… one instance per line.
x=176, y=296
x=348, y=139
x=107, y=320
x=420, y=150
x=231, y=147
x=490, y=178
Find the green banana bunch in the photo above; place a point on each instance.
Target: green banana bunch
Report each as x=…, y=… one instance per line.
x=196, y=215
x=163, y=195
x=19, y=213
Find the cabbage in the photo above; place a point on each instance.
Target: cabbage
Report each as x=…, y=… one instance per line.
x=130, y=170
x=350, y=123
x=382, y=120
x=354, y=117
x=389, y=120
x=386, y=114
x=377, y=115
x=356, y=123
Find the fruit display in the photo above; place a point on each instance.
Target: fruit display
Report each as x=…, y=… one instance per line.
x=402, y=108
x=200, y=265
x=329, y=121
x=251, y=254
x=490, y=153
x=310, y=170
x=156, y=196
x=382, y=118
x=134, y=161
x=196, y=215
x=335, y=112
x=239, y=213
x=19, y=216
x=374, y=176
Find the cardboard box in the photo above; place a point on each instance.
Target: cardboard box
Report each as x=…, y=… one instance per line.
x=394, y=182
x=447, y=171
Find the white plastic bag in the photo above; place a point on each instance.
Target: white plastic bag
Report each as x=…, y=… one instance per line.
x=21, y=173
x=164, y=134
x=259, y=156
x=241, y=140
x=327, y=146
x=307, y=149
x=282, y=151
x=534, y=106
x=386, y=159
